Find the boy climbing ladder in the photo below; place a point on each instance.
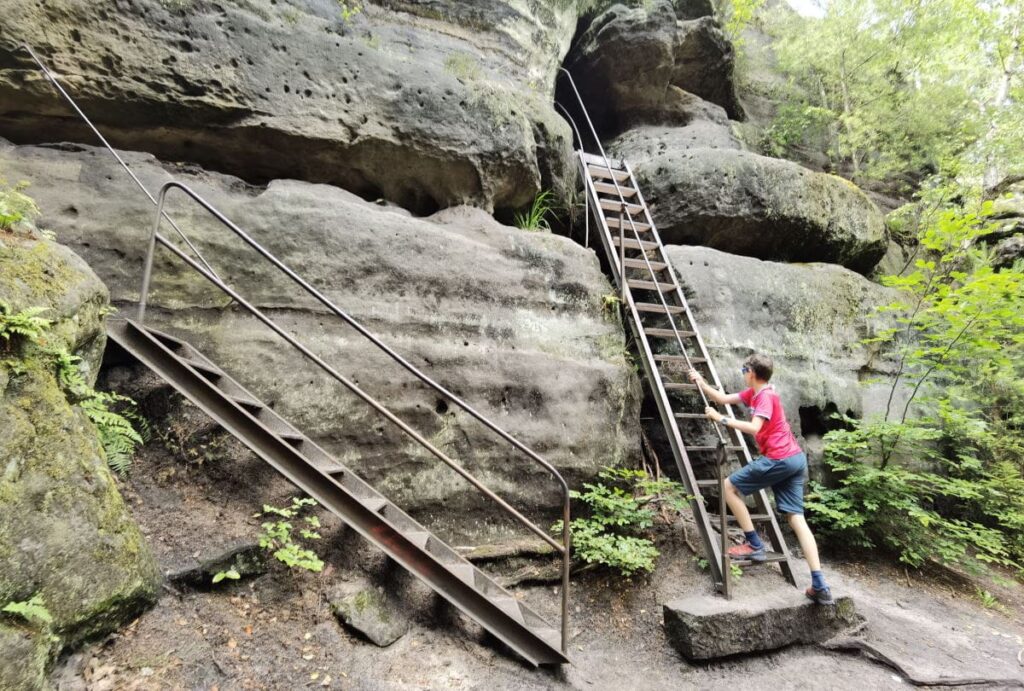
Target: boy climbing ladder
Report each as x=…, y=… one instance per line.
x=781, y=466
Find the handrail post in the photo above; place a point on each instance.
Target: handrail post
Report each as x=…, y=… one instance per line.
x=147, y=267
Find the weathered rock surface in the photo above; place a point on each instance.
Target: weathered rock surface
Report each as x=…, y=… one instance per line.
x=65, y=534
x=809, y=318
x=425, y=104
x=246, y=558
x=1009, y=251
x=742, y=203
x=706, y=628
x=509, y=320
x=643, y=65
x=367, y=610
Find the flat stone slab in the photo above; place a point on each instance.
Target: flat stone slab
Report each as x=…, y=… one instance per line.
x=703, y=627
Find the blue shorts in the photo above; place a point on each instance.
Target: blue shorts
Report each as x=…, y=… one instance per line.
x=785, y=476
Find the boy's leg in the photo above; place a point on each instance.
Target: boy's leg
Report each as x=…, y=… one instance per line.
x=747, y=480
x=789, y=498
x=806, y=539
x=738, y=506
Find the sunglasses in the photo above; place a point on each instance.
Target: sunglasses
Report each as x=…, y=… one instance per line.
x=744, y=370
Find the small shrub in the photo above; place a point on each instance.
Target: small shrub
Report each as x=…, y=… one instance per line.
x=277, y=536
x=534, y=218
x=620, y=512
x=230, y=574
x=349, y=10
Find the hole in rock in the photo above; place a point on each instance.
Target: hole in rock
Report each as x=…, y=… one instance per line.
x=442, y=407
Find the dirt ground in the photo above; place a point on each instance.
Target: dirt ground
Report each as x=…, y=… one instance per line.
x=277, y=631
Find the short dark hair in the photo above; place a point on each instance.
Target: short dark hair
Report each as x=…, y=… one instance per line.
x=761, y=365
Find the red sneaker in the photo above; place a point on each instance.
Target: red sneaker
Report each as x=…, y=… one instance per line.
x=747, y=552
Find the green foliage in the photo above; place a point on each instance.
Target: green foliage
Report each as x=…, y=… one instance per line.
x=620, y=513
x=903, y=90
x=737, y=15
x=32, y=610
x=534, y=218
x=941, y=474
x=349, y=10
x=114, y=416
x=231, y=574
x=26, y=325
x=15, y=206
x=277, y=536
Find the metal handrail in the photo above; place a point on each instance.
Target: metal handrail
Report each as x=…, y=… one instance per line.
x=636, y=234
x=60, y=89
x=562, y=548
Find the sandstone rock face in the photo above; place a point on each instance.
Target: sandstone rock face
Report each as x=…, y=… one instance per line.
x=809, y=318
x=365, y=609
x=742, y=203
x=509, y=320
x=65, y=533
x=425, y=104
x=643, y=65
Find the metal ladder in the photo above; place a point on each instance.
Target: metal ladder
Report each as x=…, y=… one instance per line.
x=669, y=343
x=316, y=472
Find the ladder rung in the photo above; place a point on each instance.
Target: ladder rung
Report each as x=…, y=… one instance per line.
x=692, y=416
x=769, y=558
x=680, y=387
x=634, y=245
x=510, y=606
x=668, y=333
x=465, y=572
x=641, y=264
x=628, y=226
x=678, y=358
x=201, y=366
x=660, y=309
x=601, y=171
x=702, y=449
x=608, y=188
x=615, y=205
x=660, y=286
x=755, y=517
x=418, y=538
x=374, y=504
x=247, y=403
x=167, y=339
x=707, y=483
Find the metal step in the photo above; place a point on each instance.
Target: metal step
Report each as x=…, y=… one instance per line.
x=615, y=206
x=608, y=188
x=669, y=333
x=709, y=449
x=672, y=386
x=659, y=309
x=627, y=225
x=343, y=493
x=679, y=359
x=634, y=245
x=601, y=172
x=649, y=265
x=637, y=284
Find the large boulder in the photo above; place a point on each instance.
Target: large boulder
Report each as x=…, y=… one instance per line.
x=65, y=533
x=508, y=319
x=739, y=202
x=810, y=318
x=425, y=104
x=643, y=65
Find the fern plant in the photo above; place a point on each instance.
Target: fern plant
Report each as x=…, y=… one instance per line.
x=32, y=610
x=15, y=205
x=25, y=325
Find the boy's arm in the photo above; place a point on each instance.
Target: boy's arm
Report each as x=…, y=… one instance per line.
x=752, y=427
x=719, y=397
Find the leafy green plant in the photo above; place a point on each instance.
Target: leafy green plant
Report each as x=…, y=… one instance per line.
x=945, y=482
x=120, y=427
x=349, y=10
x=620, y=512
x=535, y=217
x=32, y=610
x=15, y=206
x=25, y=324
x=277, y=536
x=988, y=600
x=230, y=574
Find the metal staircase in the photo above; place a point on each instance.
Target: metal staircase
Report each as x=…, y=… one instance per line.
x=340, y=491
x=316, y=472
x=669, y=344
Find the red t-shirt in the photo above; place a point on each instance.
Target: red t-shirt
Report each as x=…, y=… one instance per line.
x=775, y=439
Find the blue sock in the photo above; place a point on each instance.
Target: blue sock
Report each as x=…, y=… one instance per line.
x=754, y=539
x=818, y=580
